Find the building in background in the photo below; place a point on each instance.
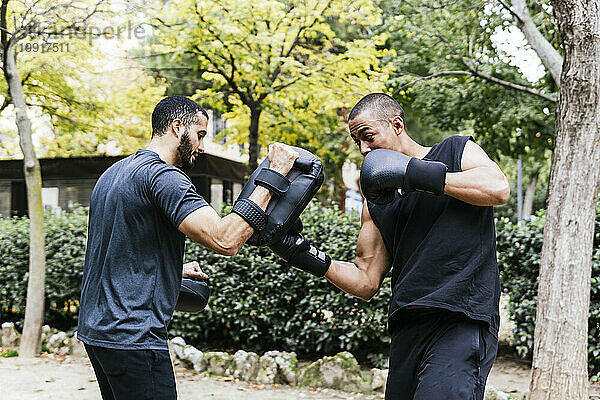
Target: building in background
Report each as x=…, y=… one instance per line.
x=351, y=177
x=218, y=174
x=69, y=181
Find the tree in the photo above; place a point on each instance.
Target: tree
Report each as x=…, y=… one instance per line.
x=453, y=76
x=19, y=22
x=561, y=332
x=87, y=98
x=560, y=344
x=283, y=60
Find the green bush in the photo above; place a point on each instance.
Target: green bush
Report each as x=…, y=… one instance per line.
x=9, y=353
x=258, y=303
x=65, y=250
x=519, y=250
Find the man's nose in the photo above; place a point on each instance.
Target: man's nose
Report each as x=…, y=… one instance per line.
x=364, y=148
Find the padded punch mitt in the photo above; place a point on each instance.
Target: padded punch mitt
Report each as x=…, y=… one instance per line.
x=193, y=296
x=291, y=194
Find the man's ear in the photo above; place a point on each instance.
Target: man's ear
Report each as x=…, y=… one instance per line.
x=177, y=127
x=398, y=125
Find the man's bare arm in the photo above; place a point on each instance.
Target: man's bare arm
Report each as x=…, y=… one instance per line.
x=481, y=181
x=363, y=277
x=227, y=235
x=223, y=235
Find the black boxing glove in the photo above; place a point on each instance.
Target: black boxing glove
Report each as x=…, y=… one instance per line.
x=384, y=171
x=298, y=251
x=193, y=295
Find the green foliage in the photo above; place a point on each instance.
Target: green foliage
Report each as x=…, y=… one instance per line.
x=258, y=302
x=82, y=99
x=433, y=37
x=289, y=73
x=65, y=249
x=9, y=353
x=519, y=250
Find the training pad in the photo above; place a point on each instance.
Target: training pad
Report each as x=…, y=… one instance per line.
x=193, y=296
x=306, y=177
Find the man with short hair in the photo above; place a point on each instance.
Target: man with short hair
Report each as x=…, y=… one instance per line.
x=438, y=239
x=141, y=210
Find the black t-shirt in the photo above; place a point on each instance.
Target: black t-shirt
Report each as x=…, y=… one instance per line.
x=133, y=261
x=443, y=250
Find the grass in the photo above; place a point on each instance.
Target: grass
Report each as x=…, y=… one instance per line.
x=9, y=353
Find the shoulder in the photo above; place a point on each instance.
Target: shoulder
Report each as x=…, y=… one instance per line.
x=154, y=169
x=450, y=151
x=474, y=156
x=458, y=141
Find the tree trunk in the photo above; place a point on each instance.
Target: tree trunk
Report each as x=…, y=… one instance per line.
x=340, y=188
x=34, y=309
x=253, y=139
x=559, y=369
x=342, y=198
x=530, y=194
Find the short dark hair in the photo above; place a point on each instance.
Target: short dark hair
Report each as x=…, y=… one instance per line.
x=174, y=107
x=379, y=105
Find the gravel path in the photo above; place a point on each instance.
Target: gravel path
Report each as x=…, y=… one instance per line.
x=51, y=377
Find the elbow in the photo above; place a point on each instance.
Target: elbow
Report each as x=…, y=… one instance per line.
x=495, y=193
x=502, y=193
x=229, y=252
x=367, y=292
x=229, y=249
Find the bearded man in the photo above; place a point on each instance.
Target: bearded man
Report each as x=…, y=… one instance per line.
x=141, y=210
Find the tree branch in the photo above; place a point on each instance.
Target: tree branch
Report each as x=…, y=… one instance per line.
x=508, y=8
x=243, y=95
x=487, y=77
x=3, y=26
x=550, y=57
x=7, y=101
x=277, y=70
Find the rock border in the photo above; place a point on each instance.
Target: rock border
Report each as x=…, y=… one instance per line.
x=340, y=372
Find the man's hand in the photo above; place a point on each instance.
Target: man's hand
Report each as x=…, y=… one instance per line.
x=193, y=270
x=384, y=171
x=298, y=251
x=281, y=157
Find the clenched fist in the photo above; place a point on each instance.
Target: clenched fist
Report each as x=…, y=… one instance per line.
x=281, y=157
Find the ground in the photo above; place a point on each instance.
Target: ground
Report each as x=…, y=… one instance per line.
x=54, y=378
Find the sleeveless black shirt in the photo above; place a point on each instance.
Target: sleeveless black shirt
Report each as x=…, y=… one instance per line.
x=443, y=250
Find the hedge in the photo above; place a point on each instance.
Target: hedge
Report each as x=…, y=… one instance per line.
x=261, y=303
x=258, y=302
x=65, y=250
x=519, y=250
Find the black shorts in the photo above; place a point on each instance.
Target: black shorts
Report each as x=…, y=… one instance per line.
x=438, y=355
x=133, y=374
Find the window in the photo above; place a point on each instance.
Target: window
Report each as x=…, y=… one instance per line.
x=50, y=197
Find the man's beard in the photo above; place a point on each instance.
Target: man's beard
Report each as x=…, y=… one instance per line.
x=185, y=150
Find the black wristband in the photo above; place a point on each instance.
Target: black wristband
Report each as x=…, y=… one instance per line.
x=426, y=176
x=272, y=180
x=252, y=214
x=313, y=261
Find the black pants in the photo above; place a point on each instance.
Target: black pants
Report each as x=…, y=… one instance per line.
x=133, y=374
x=438, y=355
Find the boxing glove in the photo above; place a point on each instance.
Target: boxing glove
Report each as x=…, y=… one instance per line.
x=298, y=251
x=384, y=171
